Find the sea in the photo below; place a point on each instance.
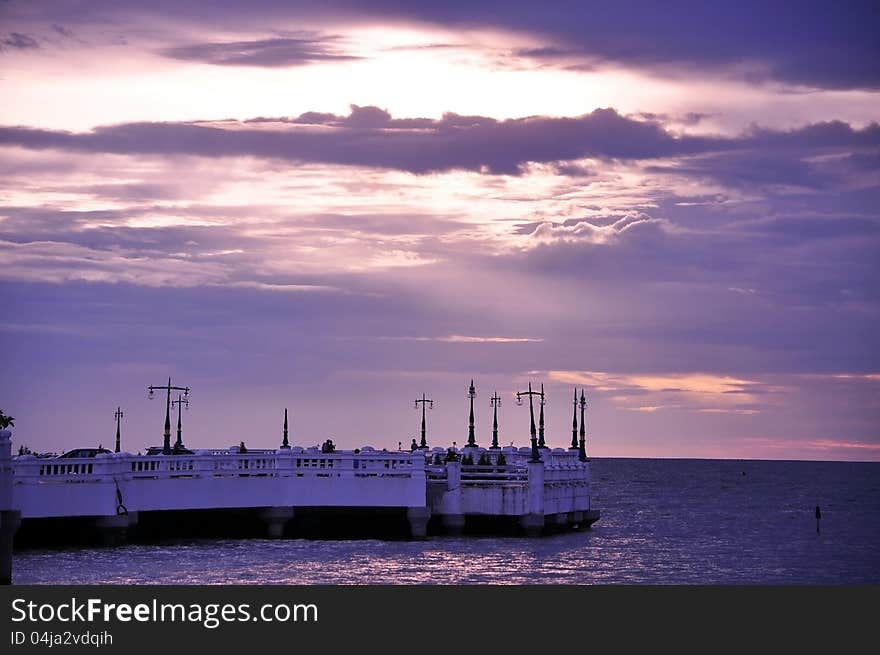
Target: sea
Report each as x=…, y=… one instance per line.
x=663, y=522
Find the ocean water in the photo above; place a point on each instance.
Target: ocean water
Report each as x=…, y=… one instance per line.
x=663, y=522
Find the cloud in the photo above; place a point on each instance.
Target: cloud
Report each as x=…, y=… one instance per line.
x=460, y=338
x=834, y=47
x=369, y=137
x=18, y=41
x=299, y=50
x=831, y=444
x=697, y=385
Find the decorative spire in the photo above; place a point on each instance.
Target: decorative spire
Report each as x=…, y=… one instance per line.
x=471, y=394
x=118, y=415
x=574, y=422
x=582, y=454
x=285, y=443
x=181, y=402
x=541, y=443
x=496, y=403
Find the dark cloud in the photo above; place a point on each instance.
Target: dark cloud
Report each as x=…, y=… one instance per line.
x=63, y=31
x=370, y=137
x=364, y=117
x=818, y=43
x=18, y=41
x=750, y=170
x=815, y=43
x=299, y=50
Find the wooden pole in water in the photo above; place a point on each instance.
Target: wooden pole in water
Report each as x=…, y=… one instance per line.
x=818, y=518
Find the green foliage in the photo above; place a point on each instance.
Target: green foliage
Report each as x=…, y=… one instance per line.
x=502, y=460
x=6, y=421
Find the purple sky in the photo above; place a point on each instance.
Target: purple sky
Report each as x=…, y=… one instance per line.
x=330, y=208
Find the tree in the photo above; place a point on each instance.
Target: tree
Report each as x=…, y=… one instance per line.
x=6, y=421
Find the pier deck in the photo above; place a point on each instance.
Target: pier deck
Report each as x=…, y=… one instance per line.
x=113, y=491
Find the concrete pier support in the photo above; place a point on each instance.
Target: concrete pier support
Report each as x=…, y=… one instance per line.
x=276, y=518
x=533, y=521
x=453, y=523
x=9, y=521
x=113, y=530
x=9, y=517
x=532, y=524
x=451, y=514
x=576, y=519
x=418, y=518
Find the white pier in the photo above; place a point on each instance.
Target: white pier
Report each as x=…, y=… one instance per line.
x=111, y=491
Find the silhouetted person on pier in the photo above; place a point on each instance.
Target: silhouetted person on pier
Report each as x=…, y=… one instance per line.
x=413, y=446
x=242, y=448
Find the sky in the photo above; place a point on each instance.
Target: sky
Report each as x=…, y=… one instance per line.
x=335, y=207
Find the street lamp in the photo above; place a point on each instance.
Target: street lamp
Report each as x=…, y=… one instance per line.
x=582, y=453
x=424, y=401
x=117, y=415
x=536, y=455
x=472, y=393
x=495, y=402
x=166, y=444
x=541, y=443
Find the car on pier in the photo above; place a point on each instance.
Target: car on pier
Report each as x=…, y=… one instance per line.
x=84, y=452
x=160, y=450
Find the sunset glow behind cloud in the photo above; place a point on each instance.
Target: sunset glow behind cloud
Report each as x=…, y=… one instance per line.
x=293, y=201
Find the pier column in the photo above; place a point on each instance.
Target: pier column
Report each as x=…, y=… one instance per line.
x=276, y=518
x=9, y=517
x=533, y=521
x=452, y=515
x=417, y=512
x=418, y=518
x=113, y=529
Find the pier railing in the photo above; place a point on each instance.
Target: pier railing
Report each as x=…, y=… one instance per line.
x=212, y=463
x=559, y=465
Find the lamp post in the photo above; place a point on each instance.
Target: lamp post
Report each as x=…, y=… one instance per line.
x=166, y=444
x=424, y=401
x=117, y=415
x=472, y=393
x=574, y=422
x=536, y=455
x=181, y=402
x=495, y=402
x=541, y=443
x=582, y=454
